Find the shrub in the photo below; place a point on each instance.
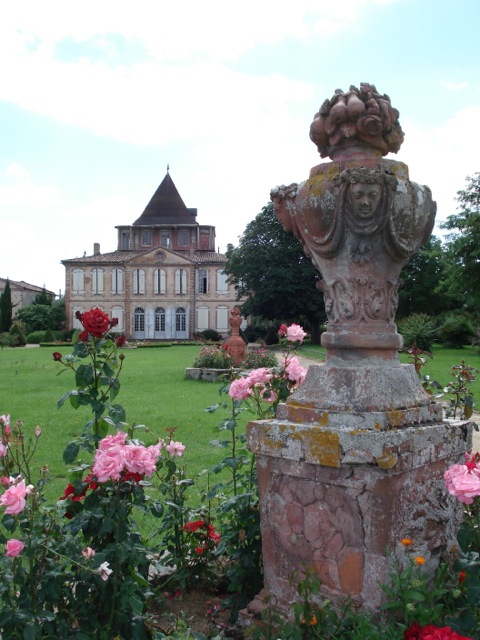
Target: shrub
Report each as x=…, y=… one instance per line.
x=420, y=330
x=7, y=340
x=210, y=335
x=272, y=337
x=214, y=357
x=49, y=336
x=257, y=357
x=17, y=332
x=35, y=337
x=456, y=332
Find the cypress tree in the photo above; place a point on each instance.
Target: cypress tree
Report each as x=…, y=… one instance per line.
x=6, y=308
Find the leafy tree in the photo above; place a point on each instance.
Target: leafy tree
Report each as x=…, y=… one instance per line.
x=422, y=280
x=6, y=308
x=463, y=246
x=40, y=317
x=270, y=269
x=42, y=298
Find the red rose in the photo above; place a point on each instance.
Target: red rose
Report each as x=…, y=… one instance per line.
x=57, y=356
x=193, y=526
x=120, y=341
x=96, y=322
x=83, y=336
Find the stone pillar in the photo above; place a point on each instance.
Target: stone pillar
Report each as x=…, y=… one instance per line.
x=354, y=460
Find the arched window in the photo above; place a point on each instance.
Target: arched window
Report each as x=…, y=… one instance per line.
x=117, y=281
x=180, y=319
x=97, y=282
x=138, y=281
x=78, y=281
x=160, y=281
x=222, y=284
x=159, y=319
x=181, y=281
x=139, y=319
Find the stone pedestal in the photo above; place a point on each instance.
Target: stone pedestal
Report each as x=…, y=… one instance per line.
x=338, y=496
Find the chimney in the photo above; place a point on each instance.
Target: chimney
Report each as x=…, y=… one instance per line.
x=229, y=247
x=96, y=249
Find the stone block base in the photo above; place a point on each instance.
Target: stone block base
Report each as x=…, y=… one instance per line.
x=340, y=501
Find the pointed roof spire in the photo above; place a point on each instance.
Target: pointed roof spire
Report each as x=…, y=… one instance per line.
x=166, y=206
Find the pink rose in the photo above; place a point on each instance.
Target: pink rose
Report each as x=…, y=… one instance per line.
x=240, y=389
x=3, y=450
x=110, y=442
x=108, y=465
x=259, y=376
x=139, y=459
x=14, y=548
x=294, y=371
x=283, y=330
x=295, y=333
x=175, y=448
x=14, y=498
x=465, y=487
x=5, y=420
x=88, y=553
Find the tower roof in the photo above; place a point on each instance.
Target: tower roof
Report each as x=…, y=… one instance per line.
x=166, y=207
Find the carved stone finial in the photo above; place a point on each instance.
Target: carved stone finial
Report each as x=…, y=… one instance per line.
x=358, y=118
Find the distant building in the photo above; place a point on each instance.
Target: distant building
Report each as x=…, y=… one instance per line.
x=23, y=293
x=164, y=281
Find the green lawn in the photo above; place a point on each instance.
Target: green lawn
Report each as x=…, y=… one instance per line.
x=154, y=392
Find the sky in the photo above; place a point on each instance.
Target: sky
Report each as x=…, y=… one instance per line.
x=98, y=97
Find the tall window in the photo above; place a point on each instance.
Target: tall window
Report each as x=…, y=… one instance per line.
x=222, y=284
x=139, y=319
x=76, y=324
x=97, y=282
x=159, y=281
x=181, y=281
x=125, y=240
x=180, y=319
x=147, y=237
x=202, y=281
x=183, y=237
x=222, y=318
x=138, y=281
x=117, y=281
x=159, y=319
x=78, y=281
x=165, y=238
x=202, y=318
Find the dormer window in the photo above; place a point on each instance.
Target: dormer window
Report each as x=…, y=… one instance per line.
x=183, y=237
x=147, y=238
x=165, y=238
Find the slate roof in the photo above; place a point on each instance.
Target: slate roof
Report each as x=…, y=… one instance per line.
x=166, y=207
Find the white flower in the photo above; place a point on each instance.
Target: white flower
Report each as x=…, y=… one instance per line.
x=104, y=571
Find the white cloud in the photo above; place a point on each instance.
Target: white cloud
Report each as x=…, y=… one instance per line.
x=16, y=170
x=455, y=86
x=29, y=194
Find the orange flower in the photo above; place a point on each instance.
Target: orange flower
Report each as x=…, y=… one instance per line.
x=419, y=560
x=406, y=542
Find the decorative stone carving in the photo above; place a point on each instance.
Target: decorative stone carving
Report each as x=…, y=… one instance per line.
x=235, y=345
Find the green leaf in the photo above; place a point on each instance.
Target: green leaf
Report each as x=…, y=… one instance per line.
x=71, y=452
x=117, y=413
x=157, y=509
x=84, y=375
x=74, y=399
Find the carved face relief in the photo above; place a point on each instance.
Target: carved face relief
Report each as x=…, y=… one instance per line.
x=365, y=199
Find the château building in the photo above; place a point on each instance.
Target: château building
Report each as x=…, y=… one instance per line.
x=165, y=281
